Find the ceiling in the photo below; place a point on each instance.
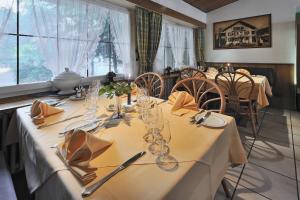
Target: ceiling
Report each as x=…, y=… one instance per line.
x=209, y=5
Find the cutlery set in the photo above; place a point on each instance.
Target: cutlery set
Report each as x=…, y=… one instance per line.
x=198, y=122
x=58, y=122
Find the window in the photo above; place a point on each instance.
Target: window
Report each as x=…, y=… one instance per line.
x=176, y=48
x=43, y=37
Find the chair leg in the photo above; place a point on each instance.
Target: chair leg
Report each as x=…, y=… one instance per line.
x=252, y=117
x=225, y=188
x=255, y=112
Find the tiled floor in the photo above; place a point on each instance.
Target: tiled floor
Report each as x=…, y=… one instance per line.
x=273, y=160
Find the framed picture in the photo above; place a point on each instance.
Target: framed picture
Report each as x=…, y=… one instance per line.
x=251, y=32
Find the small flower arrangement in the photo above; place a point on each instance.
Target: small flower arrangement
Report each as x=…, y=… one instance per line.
x=115, y=89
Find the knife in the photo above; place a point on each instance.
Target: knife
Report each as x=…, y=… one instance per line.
x=202, y=119
x=81, y=127
x=92, y=188
x=58, y=122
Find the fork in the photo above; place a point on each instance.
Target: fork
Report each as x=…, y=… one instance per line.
x=193, y=118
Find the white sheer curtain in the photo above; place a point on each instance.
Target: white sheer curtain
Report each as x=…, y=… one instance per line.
x=190, y=47
x=159, y=63
x=6, y=7
x=75, y=40
x=120, y=28
x=46, y=26
x=181, y=40
x=177, y=36
x=76, y=27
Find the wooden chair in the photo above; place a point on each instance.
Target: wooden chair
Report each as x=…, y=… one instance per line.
x=245, y=71
x=190, y=72
x=153, y=82
x=202, y=90
x=238, y=88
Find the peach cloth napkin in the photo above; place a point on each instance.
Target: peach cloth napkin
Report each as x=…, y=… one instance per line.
x=40, y=110
x=182, y=103
x=78, y=149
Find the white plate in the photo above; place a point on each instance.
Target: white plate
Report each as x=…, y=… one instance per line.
x=83, y=125
x=213, y=121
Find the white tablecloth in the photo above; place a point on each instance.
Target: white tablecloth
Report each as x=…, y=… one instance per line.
x=203, y=155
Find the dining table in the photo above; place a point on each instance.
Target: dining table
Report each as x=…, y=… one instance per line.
x=261, y=91
x=202, y=156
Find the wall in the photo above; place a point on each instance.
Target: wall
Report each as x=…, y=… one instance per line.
x=283, y=30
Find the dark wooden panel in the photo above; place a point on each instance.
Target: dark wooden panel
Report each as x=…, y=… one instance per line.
x=151, y=5
x=209, y=5
x=283, y=88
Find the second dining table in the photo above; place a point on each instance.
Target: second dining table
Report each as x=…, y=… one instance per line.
x=202, y=157
x=261, y=91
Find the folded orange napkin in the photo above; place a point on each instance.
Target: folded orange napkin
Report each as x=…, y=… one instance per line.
x=40, y=110
x=78, y=149
x=182, y=103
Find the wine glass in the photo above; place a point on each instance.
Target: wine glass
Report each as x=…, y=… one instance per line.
x=143, y=101
x=164, y=159
x=154, y=124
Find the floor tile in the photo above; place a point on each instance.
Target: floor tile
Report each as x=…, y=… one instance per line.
x=220, y=194
x=267, y=183
x=273, y=148
x=272, y=156
x=296, y=130
x=297, y=153
x=276, y=134
x=280, y=112
x=233, y=174
x=283, y=120
x=243, y=193
x=298, y=169
x=295, y=117
x=276, y=127
x=296, y=140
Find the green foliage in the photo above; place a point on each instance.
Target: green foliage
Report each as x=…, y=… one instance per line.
x=115, y=89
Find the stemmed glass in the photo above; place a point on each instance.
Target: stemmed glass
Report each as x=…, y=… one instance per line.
x=154, y=123
x=164, y=159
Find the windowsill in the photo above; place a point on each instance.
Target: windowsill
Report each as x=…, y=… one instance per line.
x=33, y=88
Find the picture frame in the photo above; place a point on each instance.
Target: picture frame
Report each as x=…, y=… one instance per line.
x=243, y=33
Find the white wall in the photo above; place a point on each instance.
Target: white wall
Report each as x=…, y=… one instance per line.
x=283, y=30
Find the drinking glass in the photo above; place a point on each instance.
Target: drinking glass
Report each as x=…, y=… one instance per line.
x=143, y=101
x=91, y=100
x=164, y=159
x=164, y=139
x=154, y=124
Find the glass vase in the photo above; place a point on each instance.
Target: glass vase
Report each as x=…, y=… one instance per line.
x=118, y=107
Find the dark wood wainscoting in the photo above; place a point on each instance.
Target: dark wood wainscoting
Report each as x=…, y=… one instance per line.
x=281, y=77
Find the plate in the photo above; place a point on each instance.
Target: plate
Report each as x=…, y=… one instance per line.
x=74, y=98
x=83, y=125
x=51, y=102
x=213, y=121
